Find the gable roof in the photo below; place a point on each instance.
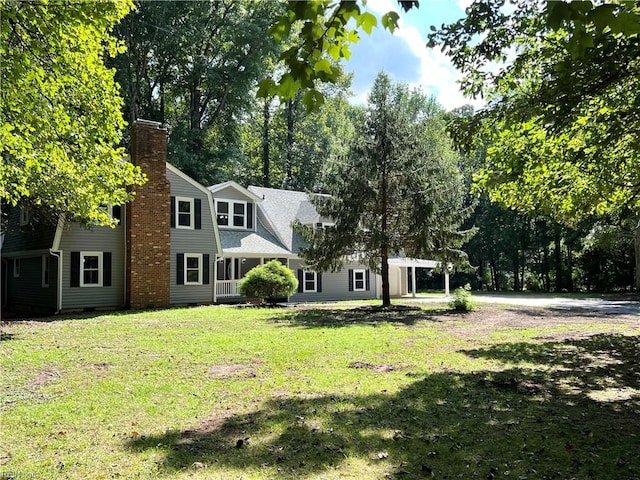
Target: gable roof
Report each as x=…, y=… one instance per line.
x=231, y=184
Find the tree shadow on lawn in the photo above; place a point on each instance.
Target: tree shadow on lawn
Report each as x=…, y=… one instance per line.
x=606, y=312
x=369, y=315
x=561, y=419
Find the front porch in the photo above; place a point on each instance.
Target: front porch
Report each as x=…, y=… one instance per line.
x=231, y=269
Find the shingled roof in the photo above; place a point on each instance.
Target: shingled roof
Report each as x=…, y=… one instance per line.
x=283, y=208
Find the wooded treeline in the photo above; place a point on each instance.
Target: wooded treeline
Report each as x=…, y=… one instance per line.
x=195, y=66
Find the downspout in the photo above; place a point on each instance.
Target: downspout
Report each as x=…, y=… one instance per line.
x=215, y=279
x=58, y=255
x=5, y=264
x=413, y=281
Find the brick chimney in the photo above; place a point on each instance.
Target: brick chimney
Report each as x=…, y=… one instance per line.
x=148, y=220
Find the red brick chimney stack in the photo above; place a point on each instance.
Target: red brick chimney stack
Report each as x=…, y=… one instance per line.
x=148, y=220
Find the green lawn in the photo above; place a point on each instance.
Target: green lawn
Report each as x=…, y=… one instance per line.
x=228, y=393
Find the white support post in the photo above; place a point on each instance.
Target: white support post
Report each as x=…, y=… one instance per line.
x=446, y=283
x=413, y=281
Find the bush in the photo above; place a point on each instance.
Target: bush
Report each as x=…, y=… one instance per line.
x=269, y=282
x=461, y=300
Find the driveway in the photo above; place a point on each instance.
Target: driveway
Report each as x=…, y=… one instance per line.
x=624, y=307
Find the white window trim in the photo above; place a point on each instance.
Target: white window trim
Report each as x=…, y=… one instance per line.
x=231, y=215
x=25, y=215
x=200, y=269
x=364, y=280
x=16, y=267
x=304, y=281
x=100, y=269
x=323, y=225
x=191, y=203
x=46, y=267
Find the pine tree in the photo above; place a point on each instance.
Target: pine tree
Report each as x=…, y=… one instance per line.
x=398, y=191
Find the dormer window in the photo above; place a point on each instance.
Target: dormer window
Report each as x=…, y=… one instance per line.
x=321, y=225
x=234, y=214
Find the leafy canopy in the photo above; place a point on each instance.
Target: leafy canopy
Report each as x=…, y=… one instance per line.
x=324, y=31
x=561, y=122
x=61, y=120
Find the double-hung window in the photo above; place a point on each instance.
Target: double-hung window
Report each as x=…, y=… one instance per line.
x=193, y=269
x=359, y=281
x=239, y=216
x=222, y=213
x=90, y=269
x=309, y=281
x=185, y=212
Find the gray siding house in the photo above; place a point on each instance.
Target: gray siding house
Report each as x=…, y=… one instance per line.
x=161, y=252
x=177, y=242
x=256, y=225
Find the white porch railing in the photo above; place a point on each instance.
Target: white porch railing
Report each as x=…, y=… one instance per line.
x=227, y=288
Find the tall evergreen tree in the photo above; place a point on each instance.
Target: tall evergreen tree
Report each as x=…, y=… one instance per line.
x=398, y=191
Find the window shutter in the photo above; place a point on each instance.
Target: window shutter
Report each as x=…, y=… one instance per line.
x=117, y=212
x=75, y=269
x=366, y=276
x=106, y=266
x=180, y=269
x=319, y=282
x=205, y=269
x=300, y=281
x=197, y=203
x=250, y=216
x=173, y=212
x=351, y=280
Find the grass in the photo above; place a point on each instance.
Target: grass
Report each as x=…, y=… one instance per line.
x=342, y=392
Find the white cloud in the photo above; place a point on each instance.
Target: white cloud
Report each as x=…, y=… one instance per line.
x=464, y=4
x=435, y=73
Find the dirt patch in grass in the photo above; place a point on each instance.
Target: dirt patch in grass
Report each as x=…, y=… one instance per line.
x=381, y=367
x=490, y=319
x=45, y=377
x=233, y=371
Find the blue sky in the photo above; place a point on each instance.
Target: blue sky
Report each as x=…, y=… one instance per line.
x=404, y=55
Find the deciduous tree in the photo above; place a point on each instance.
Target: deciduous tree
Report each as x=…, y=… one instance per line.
x=60, y=120
x=562, y=122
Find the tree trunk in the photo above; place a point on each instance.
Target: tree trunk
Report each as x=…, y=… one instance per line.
x=289, y=145
x=569, y=269
x=522, y=271
x=637, y=245
x=162, y=105
x=384, y=249
x=266, y=117
x=494, y=275
x=558, y=259
x=516, y=271
x=194, y=109
x=545, y=269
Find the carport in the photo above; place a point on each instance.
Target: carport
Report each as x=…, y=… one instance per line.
x=398, y=273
